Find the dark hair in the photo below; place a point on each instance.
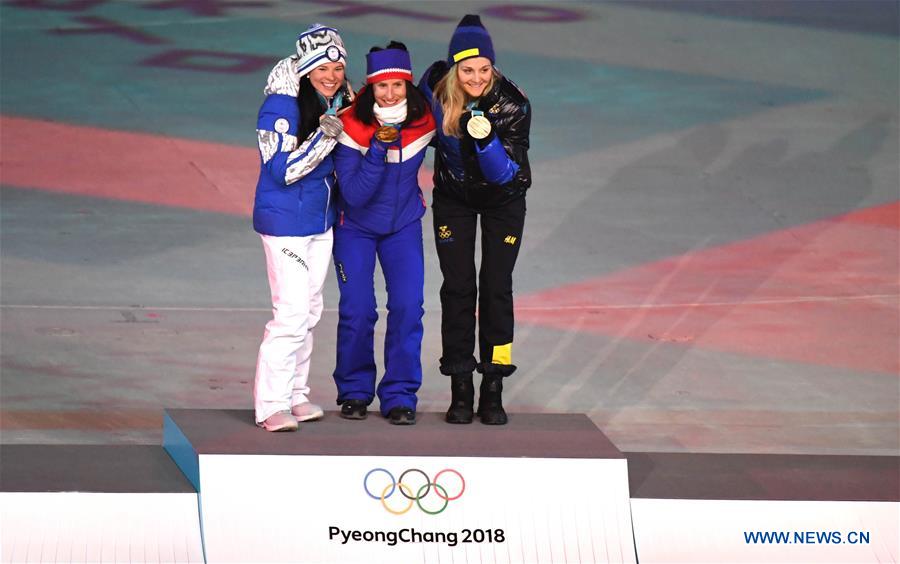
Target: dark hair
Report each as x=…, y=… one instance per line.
x=416, y=105
x=312, y=106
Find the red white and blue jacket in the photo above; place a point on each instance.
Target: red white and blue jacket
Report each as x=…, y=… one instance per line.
x=378, y=185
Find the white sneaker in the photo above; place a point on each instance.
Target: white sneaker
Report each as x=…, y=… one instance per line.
x=307, y=411
x=281, y=421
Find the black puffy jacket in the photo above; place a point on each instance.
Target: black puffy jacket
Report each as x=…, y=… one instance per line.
x=509, y=111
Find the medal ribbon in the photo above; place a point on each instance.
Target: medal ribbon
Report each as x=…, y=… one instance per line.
x=336, y=100
x=335, y=104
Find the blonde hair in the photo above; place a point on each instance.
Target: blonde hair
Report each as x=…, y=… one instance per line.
x=453, y=99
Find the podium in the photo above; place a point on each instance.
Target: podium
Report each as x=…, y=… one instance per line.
x=545, y=488
x=747, y=508
x=95, y=503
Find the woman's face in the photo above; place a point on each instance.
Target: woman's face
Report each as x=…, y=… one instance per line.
x=327, y=78
x=389, y=92
x=474, y=75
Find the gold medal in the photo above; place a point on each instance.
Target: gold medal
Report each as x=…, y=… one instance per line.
x=479, y=127
x=386, y=134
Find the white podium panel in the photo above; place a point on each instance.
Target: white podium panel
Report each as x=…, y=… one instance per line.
x=99, y=527
x=96, y=503
x=353, y=509
x=752, y=531
x=545, y=488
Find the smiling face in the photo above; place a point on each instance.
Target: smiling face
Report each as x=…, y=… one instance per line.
x=389, y=92
x=327, y=78
x=474, y=75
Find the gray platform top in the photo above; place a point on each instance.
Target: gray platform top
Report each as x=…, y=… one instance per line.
x=763, y=477
x=90, y=468
x=535, y=435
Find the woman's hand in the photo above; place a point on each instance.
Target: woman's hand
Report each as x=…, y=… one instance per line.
x=386, y=136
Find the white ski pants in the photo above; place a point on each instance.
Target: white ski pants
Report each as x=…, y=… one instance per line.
x=297, y=267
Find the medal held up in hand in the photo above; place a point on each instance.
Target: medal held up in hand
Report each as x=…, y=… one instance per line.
x=387, y=134
x=478, y=126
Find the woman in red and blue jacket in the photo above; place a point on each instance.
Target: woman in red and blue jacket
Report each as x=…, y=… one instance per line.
x=380, y=208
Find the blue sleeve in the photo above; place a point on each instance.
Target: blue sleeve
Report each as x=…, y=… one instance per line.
x=424, y=88
x=496, y=166
x=436, y=109
x=359, y=175
x=283, y=155
x=278, y=112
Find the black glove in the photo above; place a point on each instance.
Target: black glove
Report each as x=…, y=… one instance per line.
x=464, y=120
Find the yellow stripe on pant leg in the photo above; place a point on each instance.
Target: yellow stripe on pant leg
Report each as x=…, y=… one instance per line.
x=502, y=354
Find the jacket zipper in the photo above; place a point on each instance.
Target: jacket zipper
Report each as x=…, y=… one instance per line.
x=327, y=204
x=397, y=183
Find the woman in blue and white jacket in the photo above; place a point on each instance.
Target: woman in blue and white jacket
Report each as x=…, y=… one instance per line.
x=294, y=212
x=380, y=216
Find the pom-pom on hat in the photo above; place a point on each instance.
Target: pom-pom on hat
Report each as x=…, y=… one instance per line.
x=388, y=64
x=318, y=45
x=469, y=40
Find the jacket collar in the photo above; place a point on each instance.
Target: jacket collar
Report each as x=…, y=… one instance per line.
x=361, y=133
x=491, y=97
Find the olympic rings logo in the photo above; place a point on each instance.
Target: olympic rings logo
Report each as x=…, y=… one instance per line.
x=381, y=488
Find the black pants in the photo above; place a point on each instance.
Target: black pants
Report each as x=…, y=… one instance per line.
x=501, y=236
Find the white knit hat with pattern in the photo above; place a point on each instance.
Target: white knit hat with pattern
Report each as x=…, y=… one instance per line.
x=318, y=45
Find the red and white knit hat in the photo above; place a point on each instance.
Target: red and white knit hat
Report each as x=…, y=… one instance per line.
x=388, y=64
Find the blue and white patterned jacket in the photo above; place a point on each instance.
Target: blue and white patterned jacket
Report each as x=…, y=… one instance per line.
x=294, y=193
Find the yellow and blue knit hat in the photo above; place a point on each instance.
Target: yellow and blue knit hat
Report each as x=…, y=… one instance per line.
x=469, y=40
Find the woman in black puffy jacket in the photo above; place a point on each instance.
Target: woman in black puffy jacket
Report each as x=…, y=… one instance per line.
x=481, y=171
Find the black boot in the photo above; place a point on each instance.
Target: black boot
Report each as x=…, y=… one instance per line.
x=490, y=403
x=463, y=391
x=354, y=409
